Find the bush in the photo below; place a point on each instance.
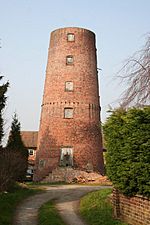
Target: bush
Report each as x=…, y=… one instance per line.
x=11, y=165
x=127, y=135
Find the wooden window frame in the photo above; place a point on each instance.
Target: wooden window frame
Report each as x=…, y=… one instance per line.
x=69, y=57
x=69, y=90
x=65, y=113
x=69, y=39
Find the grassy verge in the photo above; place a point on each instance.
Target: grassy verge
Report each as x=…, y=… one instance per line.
x=9, y=201
x=40, y=184
x=48, y=215
x=36, y=184
x=96, y=209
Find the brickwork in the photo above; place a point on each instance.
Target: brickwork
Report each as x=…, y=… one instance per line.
x=81, y=132
x=134, y=210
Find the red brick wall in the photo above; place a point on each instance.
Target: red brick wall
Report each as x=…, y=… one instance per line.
x=82, y=131
x=134, y=210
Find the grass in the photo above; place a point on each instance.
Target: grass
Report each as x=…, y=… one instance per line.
x=35, y=184
x=40, y=184
x=9, y=201
x=48, y=215
x=94, y=184
x=96, y=209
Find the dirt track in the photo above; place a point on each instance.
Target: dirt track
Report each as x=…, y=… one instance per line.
x=67, y=202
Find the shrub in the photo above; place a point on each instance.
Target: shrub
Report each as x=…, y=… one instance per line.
x=10, y=166
x=127, y=136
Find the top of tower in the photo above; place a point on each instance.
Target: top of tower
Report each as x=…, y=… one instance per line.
x=71, y=29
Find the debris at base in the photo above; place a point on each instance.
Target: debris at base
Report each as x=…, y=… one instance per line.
x=70, y=175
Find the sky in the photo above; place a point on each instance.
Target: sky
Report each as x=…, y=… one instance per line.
x=25, y=26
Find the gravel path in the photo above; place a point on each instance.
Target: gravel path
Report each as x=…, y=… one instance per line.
x=67, y=202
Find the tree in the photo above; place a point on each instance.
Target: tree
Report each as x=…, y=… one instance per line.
x=136, y=72
x=16, y=145
x=3, y=98
x=3, y=154
x=10, y=164
x=127, y=135
x=13, y=158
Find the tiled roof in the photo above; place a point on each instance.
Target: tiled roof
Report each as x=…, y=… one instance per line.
x=29, y=138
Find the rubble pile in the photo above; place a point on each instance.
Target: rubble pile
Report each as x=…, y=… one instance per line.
x=70, y=175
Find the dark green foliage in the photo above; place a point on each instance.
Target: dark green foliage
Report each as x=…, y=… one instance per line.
x=3, y=90
x=127, y=135
x=13, y=158
x=16, y=146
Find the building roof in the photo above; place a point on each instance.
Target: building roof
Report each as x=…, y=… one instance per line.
x=29, y=138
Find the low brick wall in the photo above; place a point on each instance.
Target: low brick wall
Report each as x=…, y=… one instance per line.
x=133, y=210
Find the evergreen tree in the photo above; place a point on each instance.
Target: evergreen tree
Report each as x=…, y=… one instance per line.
x=3, y=90
x=16, y=145
x=6, y=159
x=127, y=136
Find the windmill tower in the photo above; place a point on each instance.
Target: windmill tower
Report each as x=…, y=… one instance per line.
x=69, y=134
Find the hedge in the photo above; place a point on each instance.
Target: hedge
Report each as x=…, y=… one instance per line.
x=127, y=136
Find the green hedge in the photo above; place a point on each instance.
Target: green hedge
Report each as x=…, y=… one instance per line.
x=127, y=136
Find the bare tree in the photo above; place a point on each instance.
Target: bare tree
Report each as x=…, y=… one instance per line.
x=136, y=74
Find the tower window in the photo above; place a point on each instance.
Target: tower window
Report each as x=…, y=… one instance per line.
x=69, y=60
x=70, y=37
x=31, y=151
x=68, y=86
x=68, y=113
x=66, y=156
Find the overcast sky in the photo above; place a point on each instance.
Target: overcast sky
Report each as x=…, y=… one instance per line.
x=25, y=26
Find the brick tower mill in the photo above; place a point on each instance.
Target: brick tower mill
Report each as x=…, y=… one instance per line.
x=70, y=134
